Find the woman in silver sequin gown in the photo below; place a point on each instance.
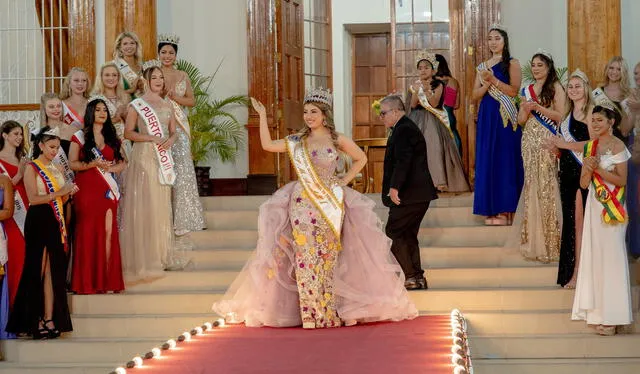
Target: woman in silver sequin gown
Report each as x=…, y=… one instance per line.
x=187, y=208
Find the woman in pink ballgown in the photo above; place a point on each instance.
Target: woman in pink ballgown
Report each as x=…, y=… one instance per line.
x=321, y=258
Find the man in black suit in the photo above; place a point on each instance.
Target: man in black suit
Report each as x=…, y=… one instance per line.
x=407, y=188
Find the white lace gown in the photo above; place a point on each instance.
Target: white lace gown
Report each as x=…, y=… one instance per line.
x=187, y=208
x=603, y=291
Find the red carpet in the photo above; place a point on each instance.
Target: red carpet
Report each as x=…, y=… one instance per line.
x=419, y=346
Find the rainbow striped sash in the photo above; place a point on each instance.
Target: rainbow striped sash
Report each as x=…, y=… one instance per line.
x=613, y=211
x=56, y=204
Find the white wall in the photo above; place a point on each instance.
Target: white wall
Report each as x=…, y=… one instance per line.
x=536, y=24
x=346, y=12
x=209, y=32
x=630, y=32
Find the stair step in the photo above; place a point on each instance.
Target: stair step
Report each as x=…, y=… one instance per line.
x=555, y=322
x=56, y=368
x=469, y=278
x=586, y=365
x=471, y=236
x=161, y=326
x=435, y=217
x=432, y=257
x=431, y=301
x=254, y=202
x=555, y=346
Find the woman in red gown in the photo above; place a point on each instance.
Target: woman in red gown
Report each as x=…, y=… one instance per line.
x=95, y=156
x=13, y=163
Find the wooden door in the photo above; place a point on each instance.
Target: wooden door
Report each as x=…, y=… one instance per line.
x=371, y=81
x=290, y=77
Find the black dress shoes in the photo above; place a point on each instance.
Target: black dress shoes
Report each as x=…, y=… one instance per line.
x=415, y=283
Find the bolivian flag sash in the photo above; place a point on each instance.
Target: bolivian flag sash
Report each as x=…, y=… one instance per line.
x=56, y=204
x=328, y=200
x=613, y=211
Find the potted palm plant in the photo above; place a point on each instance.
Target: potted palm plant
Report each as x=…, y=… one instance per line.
x=216, y=133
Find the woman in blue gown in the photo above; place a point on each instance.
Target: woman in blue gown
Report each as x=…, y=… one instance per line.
x=499, y=173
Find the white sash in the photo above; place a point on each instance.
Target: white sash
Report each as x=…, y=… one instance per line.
x=114, y=191
x=127, y=73
x=150, y=118
x=565, y=128
x=62, y=160
x=20, y=209
x=4, y=253
x=328, y=200
x=183, y=121
x=70, y=117
x=508, y=109
x=440, y=114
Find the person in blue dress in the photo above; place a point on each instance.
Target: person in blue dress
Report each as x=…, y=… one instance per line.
x=499, y=173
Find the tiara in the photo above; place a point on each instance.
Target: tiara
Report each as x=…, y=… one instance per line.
x=545, y=53
x=426, y=55
x=319, y=95
x=168, y=38
x=151, y=64
x=97, y=97
x=53, y=132
x=497, y=26
x=580, y=74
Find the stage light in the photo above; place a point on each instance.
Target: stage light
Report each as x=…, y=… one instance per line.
x=148, y=355
x=459, y=369
x=220, y=322
x=138, y=361
x=208, y=326
x=172, y=343
x=156, y=352
x=120, y=370
x=456, y=359
x=199, y=330
x=187, y=336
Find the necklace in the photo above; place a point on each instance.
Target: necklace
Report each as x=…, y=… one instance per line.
x=605, y=148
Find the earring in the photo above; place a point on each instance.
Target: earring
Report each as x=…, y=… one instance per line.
x=324, y=122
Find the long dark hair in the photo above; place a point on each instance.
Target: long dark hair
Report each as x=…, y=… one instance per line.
x=42, y=138
x=548, y=88
x=443, y=66
x=609, y=114
x=108, y=132
x=506, y=54
x=6, y=128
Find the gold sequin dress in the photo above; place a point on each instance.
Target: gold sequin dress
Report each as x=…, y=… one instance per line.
x=539, y=206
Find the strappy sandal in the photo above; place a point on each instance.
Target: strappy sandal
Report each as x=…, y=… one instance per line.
x=42, y=333
x=52, y=331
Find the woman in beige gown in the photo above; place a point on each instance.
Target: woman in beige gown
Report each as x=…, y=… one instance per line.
x=147, y=234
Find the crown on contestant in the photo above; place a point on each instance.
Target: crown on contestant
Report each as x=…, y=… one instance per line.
x=97, y=97
x=53, y=132
x=169, y=38
x=545, y=53
x=426, y=55
x=319, y=95
x=497, y=26
x=151, y=64
x=579, y=74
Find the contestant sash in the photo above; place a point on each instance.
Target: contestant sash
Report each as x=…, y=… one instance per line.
x=70, y=117
x=52, y=186
x=565, y=130
x=114, y=191
x=4, y=253
x=19, y=209
x=62, y=160
x=165, y=160
x=508, y=109
x=440, y=114
x=181, y=117
x=328, y=200
x=613, y=211
x=545, y=121
x=128, y=75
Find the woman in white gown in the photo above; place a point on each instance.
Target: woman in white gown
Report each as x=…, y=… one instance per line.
x=603, y=292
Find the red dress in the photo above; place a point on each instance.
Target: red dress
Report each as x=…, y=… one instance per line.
x=15, y=239
x=93, y=270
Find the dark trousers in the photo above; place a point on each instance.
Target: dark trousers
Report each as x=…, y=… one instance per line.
x=402, y=227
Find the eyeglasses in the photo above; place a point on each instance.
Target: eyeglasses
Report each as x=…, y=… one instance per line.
x=384, y=112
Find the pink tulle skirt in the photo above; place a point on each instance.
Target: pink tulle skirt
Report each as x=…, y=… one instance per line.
x=368, y=282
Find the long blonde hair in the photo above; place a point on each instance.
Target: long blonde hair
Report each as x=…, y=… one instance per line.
x=625, y=85
x=117, y=53
x=43, y=103
x=65, y=91
x=328, y=122
x=98, y=87
x=588, y=99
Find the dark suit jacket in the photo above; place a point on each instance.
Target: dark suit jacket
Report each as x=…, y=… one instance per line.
x=405, y=166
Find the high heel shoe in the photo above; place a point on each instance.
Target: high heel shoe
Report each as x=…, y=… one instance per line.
x=52, y=331
x=42, y=332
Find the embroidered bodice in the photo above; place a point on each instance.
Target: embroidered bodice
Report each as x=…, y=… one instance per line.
x=324, y=158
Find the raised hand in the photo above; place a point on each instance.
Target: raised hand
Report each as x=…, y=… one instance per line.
x=258, y=106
